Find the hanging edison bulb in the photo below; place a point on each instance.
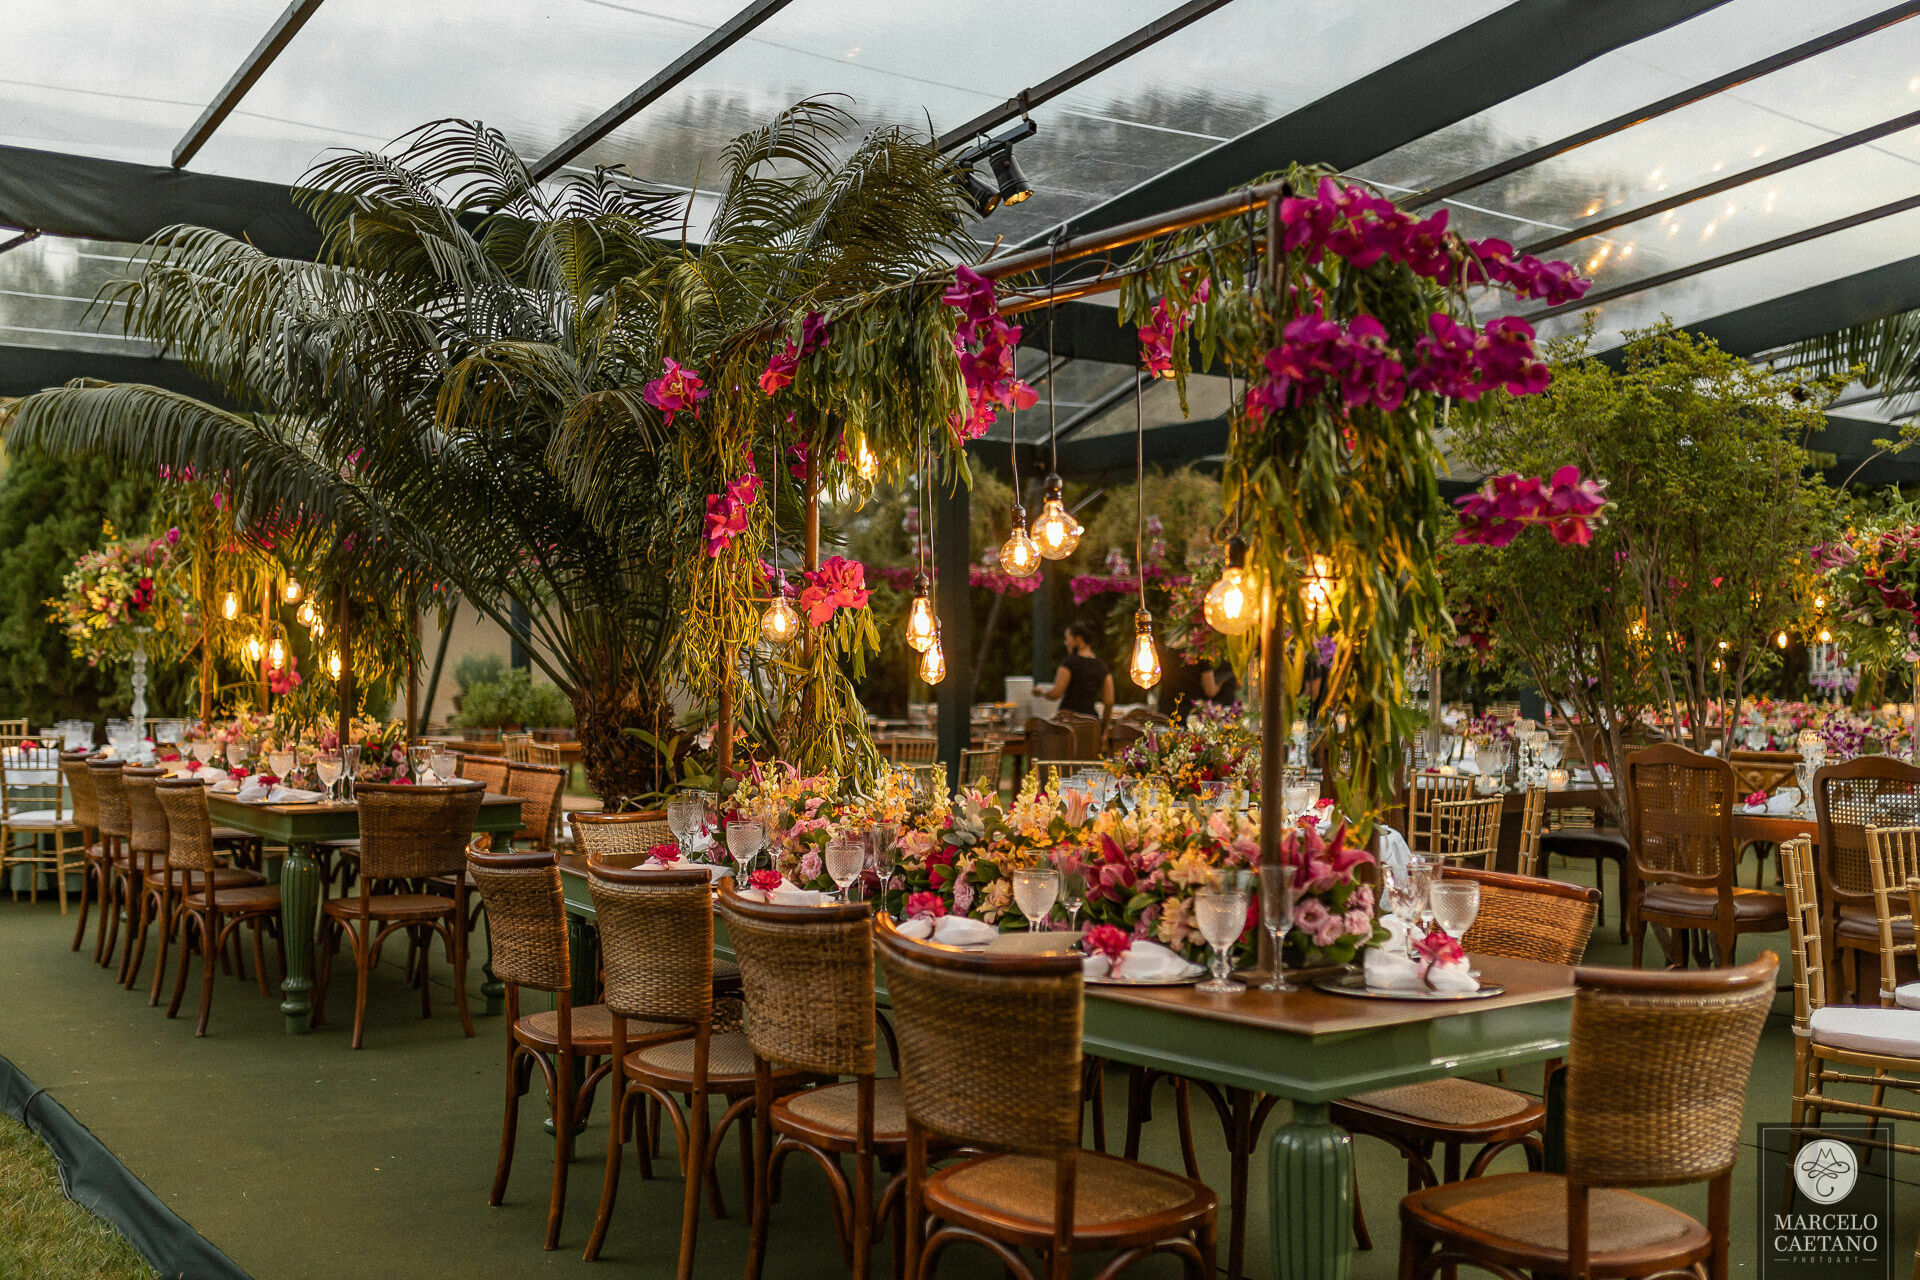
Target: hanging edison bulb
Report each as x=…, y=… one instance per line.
x=293, y=590
x=933, y=662
x=1145, y=667
x=253, y=649
x=922, y=627
x=1018, y=554
x=333, y=664
x=1317, y=584
x=276, y=654
x=1056, y=531
x=230, y=607
x=306, y=614
x=319, y=628
x=1781, y=640
x=780, y=623
x=1230, y=604
x=866, y=463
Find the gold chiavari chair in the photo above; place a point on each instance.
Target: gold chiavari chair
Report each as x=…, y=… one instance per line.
x=1424, y=791
x=1533, y=825
x=1893, y=858
x=1467, y=832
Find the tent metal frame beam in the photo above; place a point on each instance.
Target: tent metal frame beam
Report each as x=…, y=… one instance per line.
x=27, y=236
x=1081, y=420
x=1085, y=69
x=715, y=43
x=1673, y=102
x=1831, y=305
x=1396, y=104
x=278, y=36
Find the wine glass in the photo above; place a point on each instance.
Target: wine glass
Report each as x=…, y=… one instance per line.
x=1299, y=797
x=880, y=840
x=1035, y=890
x=445, y=764
x=1422, y=873
x=349, y=769
x=683, y=813
x=1222, y=917
x=203, y=749
x=282, y=761
x=419, y=759
x=1073, y=894
x=1276, y=913
x=1454, y=904
x=236, y=753
x=844, y=859
x=743, y=842
x=327, y=769
x=701, y=836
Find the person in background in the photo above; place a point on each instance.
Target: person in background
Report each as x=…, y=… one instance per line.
x=1084, y=683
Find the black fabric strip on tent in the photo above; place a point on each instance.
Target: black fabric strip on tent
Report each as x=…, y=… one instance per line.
x=1873, y=294
x=95, y=1180
x=25, y=370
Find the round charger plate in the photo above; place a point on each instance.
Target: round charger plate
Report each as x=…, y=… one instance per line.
x=1355, y=984
x=1092, y=981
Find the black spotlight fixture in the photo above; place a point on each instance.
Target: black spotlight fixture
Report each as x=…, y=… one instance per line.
x=995, y=155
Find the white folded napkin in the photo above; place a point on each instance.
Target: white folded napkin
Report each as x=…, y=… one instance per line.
x=1778, y=805
x=785, y=894
x=252, y=791
x=293, y=795
x=225, y=787
x=714, y=871
x=1144, y=962
x=1466, y=764
x=954, y=931
x=1394, y=852
x=1389, y=968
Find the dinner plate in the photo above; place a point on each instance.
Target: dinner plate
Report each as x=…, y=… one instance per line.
x=1188, y=981
x=1355, y=984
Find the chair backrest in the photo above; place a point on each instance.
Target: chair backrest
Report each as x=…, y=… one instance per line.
x=910, y=749
x=86, y=810
x=1425, y=790
x=110, y=796
x=1681, y=829
x=656, y=941
x=989, y=1043
x=1123, y=733
x=1658, y=1071
x=611, y=836
x=1533, y=825
x=408, y=832
x=146, y=820
x=1089, y=732
x=526, y=918
x=807, y=973
x=1528, y=918
x=1849, y=797
x=1798, y=878
x=980, y=769
x=189, y=828
x=1766, y=771
x=1893, y=858
x=538, y=787
x=1468, y=831
x=1049, y=741
x=489, y=771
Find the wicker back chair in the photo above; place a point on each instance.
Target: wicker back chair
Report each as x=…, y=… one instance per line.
x=73, y=769
x=198, y=895
x=1657, y=1076
x=616, y=837
x=1123, y=733
x=1766, y=771
x=1049, y=740
x=1467, y=831
x=910, y=748
x=86, y=816
x=1424, y=791
x=1527, y=918
x=980, y=770
x=538, y=787
x=146, y=820
x=990, y=1058
x=489, y=771
x=110, y=800
x=122, y=882
x=1089, y=733
x=407, y=833
x=1893, y=858
x=1849, y=797
x=1533, y=825
x=1684, y=857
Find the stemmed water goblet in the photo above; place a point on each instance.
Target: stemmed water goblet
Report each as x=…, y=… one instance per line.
x=1073, y=894
x=1454, y=904
x=203, y=750
x=1222, y=917
x=327, y=769
x=445, y=764
x=236, y=753
x=744, y=840
x=282, y=762
x=1035, y=890
x=880, y=852
x=845, y=857
x=1276, y=913
x=683, y=814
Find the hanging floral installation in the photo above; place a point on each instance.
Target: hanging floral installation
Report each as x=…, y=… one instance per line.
x=1507, y=505
x=125, y=595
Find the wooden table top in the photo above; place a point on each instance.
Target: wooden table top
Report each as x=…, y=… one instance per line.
x=489, y=801
x=1774, y=828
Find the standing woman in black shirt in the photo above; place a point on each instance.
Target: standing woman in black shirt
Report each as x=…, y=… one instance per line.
x=1083, y=683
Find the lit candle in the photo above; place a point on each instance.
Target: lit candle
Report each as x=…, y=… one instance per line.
x=1557, y=779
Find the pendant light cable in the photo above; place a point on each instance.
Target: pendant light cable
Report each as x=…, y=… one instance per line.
x=1139, y=491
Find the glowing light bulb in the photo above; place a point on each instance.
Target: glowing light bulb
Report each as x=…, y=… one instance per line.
x=333, y=665
x=1723, y=644
x=253, y=649
x=230, y=607
x=1056, y=531
x=1145, y=666
x=1826, y=636
x=1018, y=554
x=933, y=663
x=866, y=463
x=780, y=623
x=319, y=628
x=922, y=627
x=1317, y=585
x=1229, y=603
x=1819, y=602
x=293, y=590
x=306, y=613
x=276, y=654
x=1781, y=639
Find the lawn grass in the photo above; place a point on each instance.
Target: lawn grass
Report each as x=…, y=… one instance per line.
x=42, y=1233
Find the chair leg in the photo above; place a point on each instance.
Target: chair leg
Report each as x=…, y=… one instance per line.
x=622, y=1102
x=509, y=1126
x=166, y=923
x=328, y=945
x=362, y=964
x=86, y=885
x=696, y=1161
x=260, y=959
x=136, y=942
x=188, y=921
x=562, y=1134
x=459, y=944
x=210, y=931
x=762, y=1206
x=1362, y=1238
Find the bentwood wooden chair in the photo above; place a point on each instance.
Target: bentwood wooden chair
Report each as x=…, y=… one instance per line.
x=406, y=833
x=203, y=904
x=1425, y=791
x=980, y=770
x=150, y=837
x=1467, y=832
x=538, y=788
x=990, y=1059
x=1863, y=1047
x=41, y=839
x=1657, y=1074
x=910, y=749
x=1533, y=825
x=1520, y=917
x=656, y=954
x=527, y=931
x=86, y=816
x=1848, y=798
x=122, y=873
x=1048, y=740
x=1684, y=858
x=1089, y=733
x=808, y=974
x=489, y=771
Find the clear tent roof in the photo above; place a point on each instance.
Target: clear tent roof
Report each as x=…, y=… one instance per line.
x=118, y=81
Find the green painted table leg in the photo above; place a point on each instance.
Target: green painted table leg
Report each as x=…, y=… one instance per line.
x=299, y=904
x=1310, y=1180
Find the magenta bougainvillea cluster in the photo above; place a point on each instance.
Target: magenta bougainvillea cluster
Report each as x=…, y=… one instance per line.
x=986, y=345
x=677, y=388
x=727, y=512
x=1170, y=320
x=1497, y=512
x=839, y=583
x=785, y=362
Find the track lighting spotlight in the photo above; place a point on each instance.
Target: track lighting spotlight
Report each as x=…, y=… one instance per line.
x=1008, y=183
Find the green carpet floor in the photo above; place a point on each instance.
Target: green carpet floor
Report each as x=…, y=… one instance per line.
x=302, y=1158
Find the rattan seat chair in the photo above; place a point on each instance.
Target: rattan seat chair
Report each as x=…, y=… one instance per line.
x=1467, y=832
x=1848, y=798
x=980, y=770
x=489, y=771
x=1049, y=740
x=203, y=903
x=625, y=839
x=527, y=937
x=1533, y=825
x=94, y=870
x=1656, y=1078
x=121, y=890
x=23, y=830
x=149, y=839
x=406, y=833
x=990, y=1059
x=538, y=787
x=1520, y=917
x=1422, y=792
x=808, y=974
x=1685, y=862
x=656, y=953
x=1089, y=733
